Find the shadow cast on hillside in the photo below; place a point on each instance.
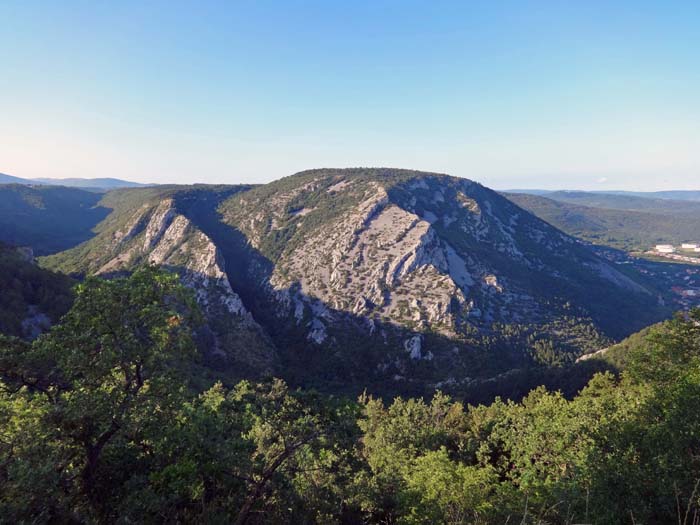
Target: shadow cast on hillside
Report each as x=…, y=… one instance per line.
x=357, y=361
x=63, y=219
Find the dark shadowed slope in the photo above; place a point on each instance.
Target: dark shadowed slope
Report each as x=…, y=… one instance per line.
x=154, y=226
x=31, y=298
x=48, y=219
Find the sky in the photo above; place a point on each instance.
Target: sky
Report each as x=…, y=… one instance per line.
x=513, y=94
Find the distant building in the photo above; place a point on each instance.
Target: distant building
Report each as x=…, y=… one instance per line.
x=697, y=249
x=665, y=248
x=690, y=246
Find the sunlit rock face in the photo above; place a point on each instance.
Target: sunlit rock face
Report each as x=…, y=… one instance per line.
x=425, y=252
x=155, y=232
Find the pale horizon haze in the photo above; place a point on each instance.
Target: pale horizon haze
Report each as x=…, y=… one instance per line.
x=550, y=95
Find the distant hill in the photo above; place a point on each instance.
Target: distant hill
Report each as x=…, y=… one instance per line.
x=626, y=202
x=9, y=179
x=681, y=195
x=528, y=191
x=677, y=195
x=94, y=184
x=629, y=229
x=48, y=218
x=104, y=183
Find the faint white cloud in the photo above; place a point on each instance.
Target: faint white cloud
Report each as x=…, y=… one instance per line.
x=602, y=180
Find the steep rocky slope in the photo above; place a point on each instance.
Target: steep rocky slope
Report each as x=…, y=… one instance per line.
x=426, y=272
x=147, y=227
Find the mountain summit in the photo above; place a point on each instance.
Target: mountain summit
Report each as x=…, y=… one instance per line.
x=433, y=269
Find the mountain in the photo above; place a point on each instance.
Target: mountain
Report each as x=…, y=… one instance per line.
x=626, y=229
x=626, y=202
x=101, y=184
x=155, y=226
x=678, y=195
x=32, y=298
x=9, y=179
x=397, y=280
x=427, y=273
x=47, y=218
x=528, y=191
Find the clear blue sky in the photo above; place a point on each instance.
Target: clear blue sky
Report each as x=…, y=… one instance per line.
x=588, y=95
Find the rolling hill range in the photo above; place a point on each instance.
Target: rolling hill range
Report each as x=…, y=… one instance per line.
x=676, y=195
x=628, y=202
x=397, y=280
x=625, y=222
x=103, y=184
x=98, y=184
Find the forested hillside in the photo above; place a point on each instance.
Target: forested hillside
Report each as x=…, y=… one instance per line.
x=675, y=195
x=100, y=422
x=628, y=201
x=48, y=219
x=631, y=226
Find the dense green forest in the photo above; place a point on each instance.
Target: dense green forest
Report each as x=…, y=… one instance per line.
x=105, y=419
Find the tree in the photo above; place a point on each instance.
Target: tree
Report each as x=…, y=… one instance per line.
x=112, y=370
x=648, y=461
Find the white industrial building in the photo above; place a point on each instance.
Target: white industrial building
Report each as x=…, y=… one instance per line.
x=665, y=248
x=690, y=246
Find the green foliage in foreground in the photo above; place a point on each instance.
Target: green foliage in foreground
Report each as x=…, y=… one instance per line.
x=99, y=424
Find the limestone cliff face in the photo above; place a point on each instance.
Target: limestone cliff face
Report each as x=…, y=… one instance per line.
x=381, y=261
x=161, y=236
x=425, y=253
x=156, y=233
